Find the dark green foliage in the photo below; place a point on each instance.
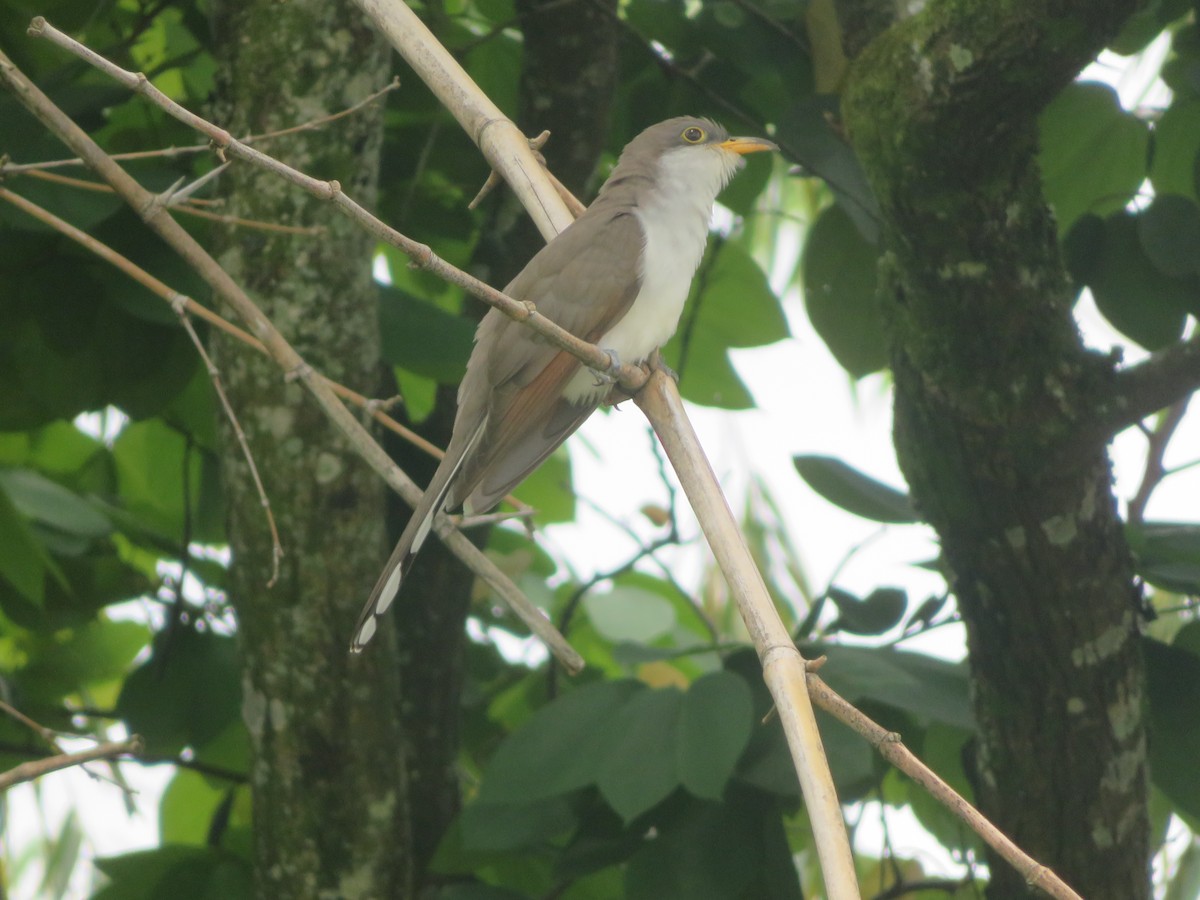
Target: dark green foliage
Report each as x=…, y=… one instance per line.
x=660, y=773
x=854, y=492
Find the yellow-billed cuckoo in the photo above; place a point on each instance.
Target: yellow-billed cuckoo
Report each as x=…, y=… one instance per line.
x=618, y=277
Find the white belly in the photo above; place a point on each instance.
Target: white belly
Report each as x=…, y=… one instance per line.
x=672, y=251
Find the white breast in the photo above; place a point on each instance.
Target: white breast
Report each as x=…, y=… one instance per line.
x=674, y=218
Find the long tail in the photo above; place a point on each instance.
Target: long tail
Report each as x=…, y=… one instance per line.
x=400, y=562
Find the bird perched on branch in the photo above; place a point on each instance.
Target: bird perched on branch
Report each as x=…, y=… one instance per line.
x=617, y=277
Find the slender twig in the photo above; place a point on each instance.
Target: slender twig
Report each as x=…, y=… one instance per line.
x=179, y=305
x=582, y=590
x=49, y=735
x=182, y=307
x=650, y=551
x=891, y=748
x=195, y=765
x=503, y=144
x=1154, y=472
x=188, y=205
x=494, y=179
x=8, y=168
x=32, y=770
x=294, y=366
x=315, y=124
x=946, y=885
x=377, y=409
x=629, y=377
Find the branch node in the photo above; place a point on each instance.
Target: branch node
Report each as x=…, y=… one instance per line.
x=815, y=665
x=36, y=26
x=775, y=652
x=301, y=372
x=488, y=123
x=888, y=737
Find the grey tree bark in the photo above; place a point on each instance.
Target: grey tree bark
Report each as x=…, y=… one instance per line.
x=995, y=423
x=331, y=808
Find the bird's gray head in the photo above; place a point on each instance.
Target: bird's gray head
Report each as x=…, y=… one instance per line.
x=691, y=151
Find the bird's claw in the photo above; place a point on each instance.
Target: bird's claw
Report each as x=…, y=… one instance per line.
x=655, y=364
x=609, y=375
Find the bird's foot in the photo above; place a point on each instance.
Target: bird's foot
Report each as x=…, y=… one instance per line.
x=609, y=375
x=655, y=364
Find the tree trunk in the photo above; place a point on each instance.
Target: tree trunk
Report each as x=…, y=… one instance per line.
x=329, y=788
x=994, y=396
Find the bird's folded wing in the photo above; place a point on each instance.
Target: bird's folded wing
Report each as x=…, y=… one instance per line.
x=585, y=286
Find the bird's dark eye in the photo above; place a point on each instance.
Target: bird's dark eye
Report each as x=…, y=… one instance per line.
x=693, y=135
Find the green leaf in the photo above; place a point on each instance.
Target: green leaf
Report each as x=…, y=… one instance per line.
x=1167, y=554
x=881, y=611
x=230, y=749
x=1173, y=687
x=476, y=891
x=549, y=491
x=840, y=293
x=186, y=808
x=498, y=827
x=715, y=852
x=150, y=459
x=630, y=614
x=1146, y=24
x=852, y=762
x=732, y=305
x=805, y=131
x=1138, y=299
x=419, y=394
x=942, y=750
x=560, y=748
x=735, y=301
x=60, y=449
x=497, y=63
x=1170, y=234
x=49, y=503
x=422, y=338
x=711, y=379
x=743, y=192
x=22, y=559
x=855, y=492
x=714, y=728
x=1093, y=153
x=640, y=769
x=1083, y=248
x=930, y=689
x=181, y=873
x=83, y=658
x=1175, y=168
x=186, y=694
x=14, y=448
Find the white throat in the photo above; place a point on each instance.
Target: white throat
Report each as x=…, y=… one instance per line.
x=674, y=216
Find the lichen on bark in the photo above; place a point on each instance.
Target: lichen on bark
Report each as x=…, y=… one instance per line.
x=995, y=398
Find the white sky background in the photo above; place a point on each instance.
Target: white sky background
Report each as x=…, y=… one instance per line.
x=805, y=404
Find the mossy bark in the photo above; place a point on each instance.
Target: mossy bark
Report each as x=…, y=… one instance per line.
x=329, y=779
x=996, y=399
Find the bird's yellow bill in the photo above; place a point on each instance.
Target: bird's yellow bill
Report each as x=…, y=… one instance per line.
x=744, y=145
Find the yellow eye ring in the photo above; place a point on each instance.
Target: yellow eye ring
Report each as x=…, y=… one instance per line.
x=693, y=135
